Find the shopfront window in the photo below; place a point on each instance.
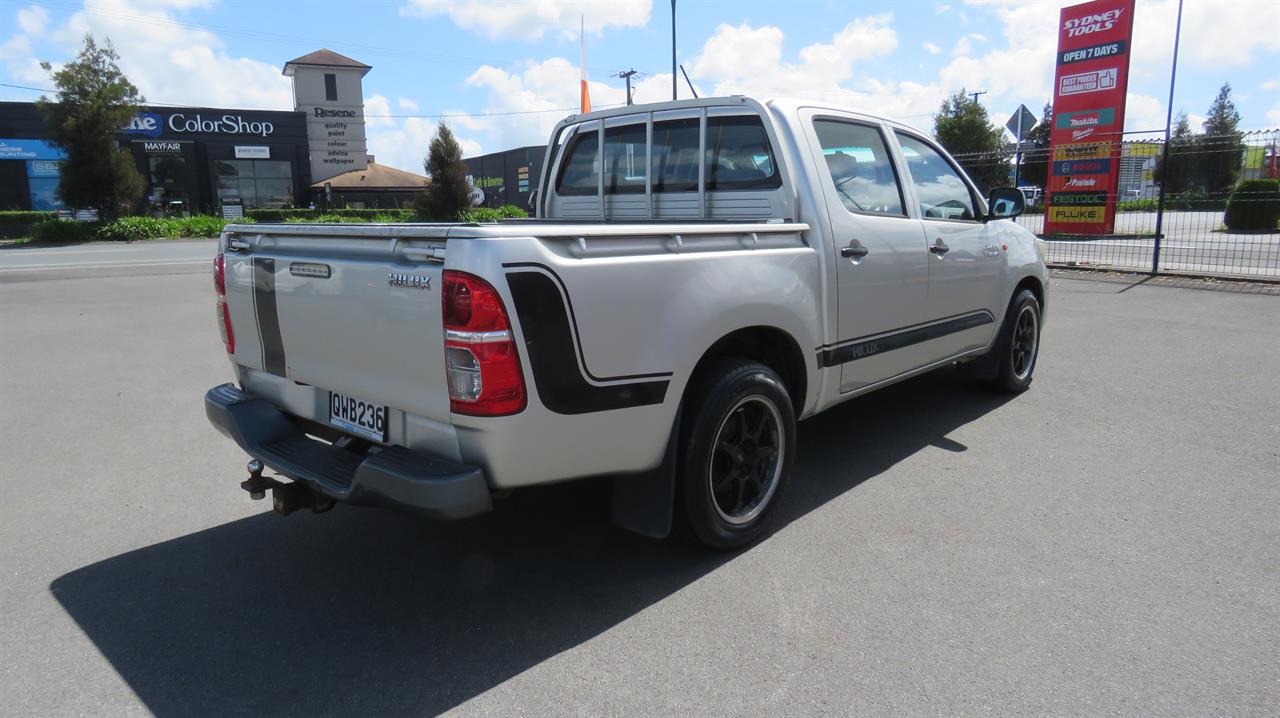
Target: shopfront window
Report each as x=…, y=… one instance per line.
x=258, y=184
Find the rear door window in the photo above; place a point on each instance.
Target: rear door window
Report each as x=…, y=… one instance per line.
x=857, y=157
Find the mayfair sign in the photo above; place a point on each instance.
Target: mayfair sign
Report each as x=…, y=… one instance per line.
x=151, y=124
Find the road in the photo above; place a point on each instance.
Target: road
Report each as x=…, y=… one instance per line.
x=1194, y=242
x=21, y=263
x=1105, y=543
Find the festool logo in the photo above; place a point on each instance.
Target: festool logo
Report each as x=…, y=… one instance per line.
x=148, y=124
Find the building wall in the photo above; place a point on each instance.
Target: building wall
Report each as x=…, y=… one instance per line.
x=508, y=177
x=197, y=142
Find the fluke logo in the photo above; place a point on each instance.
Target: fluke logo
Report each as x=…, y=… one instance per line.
x=1090, y=24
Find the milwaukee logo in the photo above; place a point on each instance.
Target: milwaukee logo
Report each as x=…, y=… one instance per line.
x=1080, y=134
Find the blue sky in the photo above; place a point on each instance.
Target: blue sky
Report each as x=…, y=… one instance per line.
x=504, y=70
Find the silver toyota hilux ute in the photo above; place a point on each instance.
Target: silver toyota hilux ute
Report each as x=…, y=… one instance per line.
x=701, y=275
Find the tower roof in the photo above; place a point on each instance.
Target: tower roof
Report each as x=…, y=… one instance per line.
x=325, y=57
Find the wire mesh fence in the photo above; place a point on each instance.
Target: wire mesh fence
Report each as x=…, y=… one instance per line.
x=1217, y=219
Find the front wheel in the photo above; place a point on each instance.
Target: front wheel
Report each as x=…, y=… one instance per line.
x=1019, y=344
x=738, y=454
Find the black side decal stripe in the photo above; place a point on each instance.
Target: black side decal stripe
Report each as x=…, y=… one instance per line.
x=573, y=325
x=862, y=348
x=549, y=341
x=264, y=302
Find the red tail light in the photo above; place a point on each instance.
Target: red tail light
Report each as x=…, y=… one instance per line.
x=224, y=314
x=481, y=363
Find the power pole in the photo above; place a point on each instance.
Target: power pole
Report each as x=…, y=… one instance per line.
x=626, y=75
x=673, y=50
x=974, y=95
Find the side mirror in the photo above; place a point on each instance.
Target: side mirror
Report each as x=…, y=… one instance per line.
x=1005, y=203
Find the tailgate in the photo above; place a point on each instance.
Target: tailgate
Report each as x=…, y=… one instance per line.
x=350, y=309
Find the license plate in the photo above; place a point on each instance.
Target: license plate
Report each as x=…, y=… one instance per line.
x=357, y=416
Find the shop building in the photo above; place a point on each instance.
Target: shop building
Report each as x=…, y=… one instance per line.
x=192, y=159
x=507, y=177
x=202, y=160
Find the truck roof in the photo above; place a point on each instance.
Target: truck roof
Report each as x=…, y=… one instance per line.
x=747, y=101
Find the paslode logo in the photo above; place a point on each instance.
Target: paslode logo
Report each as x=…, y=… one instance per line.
x=1082, y=182
x=1090, y=24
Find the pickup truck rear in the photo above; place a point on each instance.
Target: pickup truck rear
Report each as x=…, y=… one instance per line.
x=703, y=274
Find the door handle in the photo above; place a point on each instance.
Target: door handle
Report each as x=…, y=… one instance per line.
x=854, y=251
x=939, y=247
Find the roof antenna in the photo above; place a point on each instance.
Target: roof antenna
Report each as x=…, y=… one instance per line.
x=686, y=79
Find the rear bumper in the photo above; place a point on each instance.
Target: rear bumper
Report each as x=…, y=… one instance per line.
x=394, y=477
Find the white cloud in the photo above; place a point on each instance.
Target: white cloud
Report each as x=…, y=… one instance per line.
x=403, y=143
x=543, y=93
x=406, y=104
x=32, y=20
x=376, y=111
x=20, y=63
x=168, y=62
x=932, y=48
x=531, y=19
x=1269, y=85
x=964, y=45
x=1273, y=116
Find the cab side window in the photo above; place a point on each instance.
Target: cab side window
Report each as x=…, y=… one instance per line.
x=940, y=189
x=857, y=157
x=580, y=169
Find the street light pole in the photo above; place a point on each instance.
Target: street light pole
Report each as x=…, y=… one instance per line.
x=1164, y=153
x=673, y=50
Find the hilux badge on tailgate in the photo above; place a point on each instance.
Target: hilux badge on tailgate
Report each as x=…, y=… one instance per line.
x=412, y=281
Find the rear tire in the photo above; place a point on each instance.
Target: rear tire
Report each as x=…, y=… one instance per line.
x=1019, y=345
x=738, y=453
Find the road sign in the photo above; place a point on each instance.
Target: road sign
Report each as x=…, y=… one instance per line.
x=1021, y=123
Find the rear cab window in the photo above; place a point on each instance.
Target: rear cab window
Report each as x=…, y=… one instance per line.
x=737, y=156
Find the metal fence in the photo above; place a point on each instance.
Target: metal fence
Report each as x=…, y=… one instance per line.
x=1193, y=236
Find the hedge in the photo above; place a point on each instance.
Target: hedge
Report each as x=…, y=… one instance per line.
x=25, y=217
x=1255, y=204
x=294, y=216
x=128, y=229
x=276, y=216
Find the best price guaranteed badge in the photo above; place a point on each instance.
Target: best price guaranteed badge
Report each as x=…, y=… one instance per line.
x=1090, y=83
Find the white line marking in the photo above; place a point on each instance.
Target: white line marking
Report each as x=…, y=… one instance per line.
x=24, y=252
x=116, y=265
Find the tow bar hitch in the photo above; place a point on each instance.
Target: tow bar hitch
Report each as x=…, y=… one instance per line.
x=285, y=497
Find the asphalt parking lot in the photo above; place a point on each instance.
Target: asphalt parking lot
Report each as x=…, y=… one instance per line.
x=1107, y=542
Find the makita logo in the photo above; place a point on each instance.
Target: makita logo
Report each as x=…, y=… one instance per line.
x=1090, y=24
x=326, y=112
x=1080, y=134
x=1081, y=182
x=1086, y=120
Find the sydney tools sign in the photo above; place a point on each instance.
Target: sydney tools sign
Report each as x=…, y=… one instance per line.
x=1088, y=116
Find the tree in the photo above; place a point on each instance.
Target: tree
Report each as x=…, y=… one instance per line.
x=1222, y=147
x=1180, y=175
x=964, y=128
x=95, y=100
x=1035, y=151
x=447, y=195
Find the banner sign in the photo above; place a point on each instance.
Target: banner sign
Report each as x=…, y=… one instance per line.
x=30, y=150
x=1089, y=89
